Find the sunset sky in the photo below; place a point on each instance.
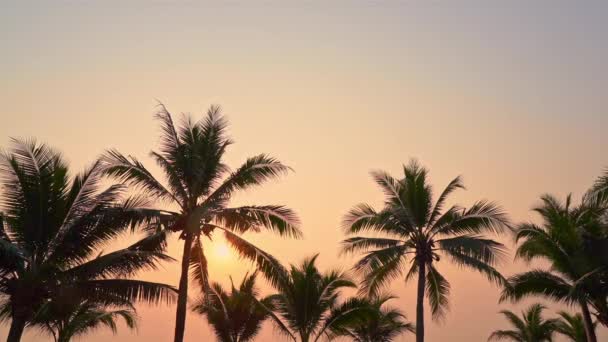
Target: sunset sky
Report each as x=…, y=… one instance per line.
x=512, y=95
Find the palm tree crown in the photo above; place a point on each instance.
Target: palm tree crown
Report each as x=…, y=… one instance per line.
x=532, y=327
x=51, y=229
x=308, y=301
x=416, y=227
x=572, y=326
x=236, y=316
x=65, y=321
x=378, y=323
x=564, y=239
x=200, y=185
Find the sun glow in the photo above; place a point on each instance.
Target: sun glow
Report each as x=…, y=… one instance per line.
x=221, y=250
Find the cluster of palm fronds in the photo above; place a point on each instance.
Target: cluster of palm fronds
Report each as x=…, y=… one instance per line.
x=533, y=327
x=55, y=276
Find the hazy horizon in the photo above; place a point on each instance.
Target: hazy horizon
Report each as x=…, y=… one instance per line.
x=511, y=96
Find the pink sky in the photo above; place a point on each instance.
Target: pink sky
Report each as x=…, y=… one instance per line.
x=510, y=96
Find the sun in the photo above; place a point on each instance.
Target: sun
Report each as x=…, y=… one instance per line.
x=221, y=250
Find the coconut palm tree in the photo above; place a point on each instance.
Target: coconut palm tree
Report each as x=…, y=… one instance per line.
x=199, y=184
x=561, y=241
x=52, y=227
x=415, y=227
x=379, y=323
x=236, y=316
x=572, y=326
x=600, y=188
x=307, y=301
x=532, y=327
x=65, y=322
x=597, y=244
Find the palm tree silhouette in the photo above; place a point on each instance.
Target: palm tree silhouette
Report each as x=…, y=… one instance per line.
x=51, y=229
x=532, y=327
x=65, y=322
x=415, y=227
x=572, y=326
x=236, y=316
x=200, y=185
x=378, y=323
x=559, y=240
x=307, y=301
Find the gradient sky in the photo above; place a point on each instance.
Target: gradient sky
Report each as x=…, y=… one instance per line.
x=511, y=95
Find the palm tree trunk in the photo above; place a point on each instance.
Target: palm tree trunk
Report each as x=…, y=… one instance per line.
x=182, y=297
x=420, y=302
x=16, y=330
x=589, y=328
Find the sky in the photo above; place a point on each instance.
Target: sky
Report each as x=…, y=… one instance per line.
x=509, y=94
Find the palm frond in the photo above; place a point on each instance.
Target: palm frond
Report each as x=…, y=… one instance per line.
x=198, y=265
x=268, y=265
x=454, y=185
x=481, y=217
x=126, y=289
x=537, y=282
x=255, y=171
x=437, y=291
x=358, y=244
x=277, y=218
x=129, y=170
x=475, y=246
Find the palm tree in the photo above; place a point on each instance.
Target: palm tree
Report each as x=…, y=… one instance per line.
x=600, y=188
x=200, y=185
x=572, y=326
x=51, y=229
x=597, y=244
x=413, y=226
x=307, y=301
x=559, y=240
x=65, y=322
x=378, y=324
x=236, y=316
x=532, y=327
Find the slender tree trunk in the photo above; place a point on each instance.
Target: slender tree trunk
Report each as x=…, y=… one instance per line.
x=589, y=328
x=16, y=330
x=420, y=302
x=182, y=297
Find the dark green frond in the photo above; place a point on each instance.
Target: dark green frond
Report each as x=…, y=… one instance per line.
x=537, y=282
x=437, y=291
x=127, y=289
x=474, y=246
x=481, y=217
x=129, y=170
x=198, y=265
x=277, y=218
x=361, y=244
x=255, y=171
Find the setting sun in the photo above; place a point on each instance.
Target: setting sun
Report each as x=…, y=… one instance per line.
x=220, y=250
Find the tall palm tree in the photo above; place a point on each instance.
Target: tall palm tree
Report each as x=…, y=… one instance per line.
x=65, y=322
x=236, y=316
x=597, y=243
x=51, y=229
x=200, y=186
x=416, y=227
x=532, y=327
x=572, y=326
x=560, y=241
x=379, y=323
x=307, y=301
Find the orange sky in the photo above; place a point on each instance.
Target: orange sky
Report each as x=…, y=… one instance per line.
x=510, y=96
